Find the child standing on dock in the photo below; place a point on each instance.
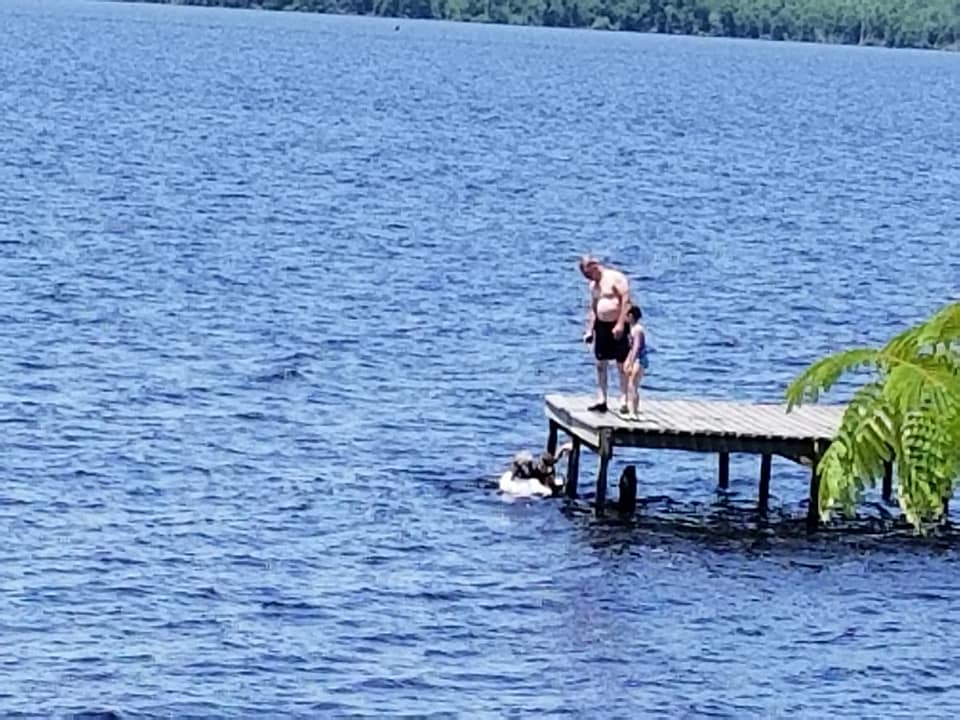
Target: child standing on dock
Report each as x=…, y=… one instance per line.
x=636, y=363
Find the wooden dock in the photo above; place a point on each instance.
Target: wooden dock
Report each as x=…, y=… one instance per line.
x=714, y=426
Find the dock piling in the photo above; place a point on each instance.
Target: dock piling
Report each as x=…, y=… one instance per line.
x=573, y=469
x=724, y=480
x=627, y=500
x=813, y=509
x=552, y=437
x=605, y=452
x=763, y=499
x=887, y=481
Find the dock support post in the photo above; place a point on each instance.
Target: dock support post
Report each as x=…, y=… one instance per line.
x=724, y=480
x=627, y=500
x=764, y=497
x=552, y=438
x=813, y=509
x=605, y=452
x=887, y=480
x=573, y=469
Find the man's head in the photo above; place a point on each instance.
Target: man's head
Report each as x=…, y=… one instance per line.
x=590, y=267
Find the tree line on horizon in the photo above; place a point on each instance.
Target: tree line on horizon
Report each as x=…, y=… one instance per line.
x=888, y=23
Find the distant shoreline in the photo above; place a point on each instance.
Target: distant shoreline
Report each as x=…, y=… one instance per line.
x=929, y=25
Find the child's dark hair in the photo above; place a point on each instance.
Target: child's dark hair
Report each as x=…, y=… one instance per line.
x=635, y=313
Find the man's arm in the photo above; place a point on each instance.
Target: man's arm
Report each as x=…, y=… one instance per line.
x=622, y=288
x=591, y=316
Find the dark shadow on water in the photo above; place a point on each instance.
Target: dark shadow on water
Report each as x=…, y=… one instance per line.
x=280, y=375
x=733, y=525
x=96, y=715
x=725, y=526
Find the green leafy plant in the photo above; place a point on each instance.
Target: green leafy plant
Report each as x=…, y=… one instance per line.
x=907, y=413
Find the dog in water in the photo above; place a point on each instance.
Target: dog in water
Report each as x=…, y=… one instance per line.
x=534, y=477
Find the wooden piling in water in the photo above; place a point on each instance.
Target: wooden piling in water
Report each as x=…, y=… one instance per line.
x=887, y=481
x=605, y=451
x=573, y=469
x=763, y=497
x=627, y=499
x=813, y=509
x=724, y=470
x=552, y=433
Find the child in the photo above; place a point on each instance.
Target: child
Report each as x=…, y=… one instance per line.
x=636, y=363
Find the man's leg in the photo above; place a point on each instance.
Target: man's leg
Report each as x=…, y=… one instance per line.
x=601, y=351
x=601, y=405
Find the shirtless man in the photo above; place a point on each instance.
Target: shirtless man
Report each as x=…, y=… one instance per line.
x=607, y=323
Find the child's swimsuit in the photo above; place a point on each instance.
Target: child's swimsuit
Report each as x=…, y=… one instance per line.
x=642, y=358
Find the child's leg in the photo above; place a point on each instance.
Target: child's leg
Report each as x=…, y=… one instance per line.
x=636, y=379
x=632, y=381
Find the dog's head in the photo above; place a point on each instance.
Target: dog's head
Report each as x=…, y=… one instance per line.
x=542, y=468
x=523, y=465
x=546, y=470
x=546, y=463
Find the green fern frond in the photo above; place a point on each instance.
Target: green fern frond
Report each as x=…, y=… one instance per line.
x=943, y=330
x=909, y=411
x=927, y=465
x=865, y=440
x=835, y=490
x=824, y=374
x=924, y=378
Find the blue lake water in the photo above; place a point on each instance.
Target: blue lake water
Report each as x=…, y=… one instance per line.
x=282, y=293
